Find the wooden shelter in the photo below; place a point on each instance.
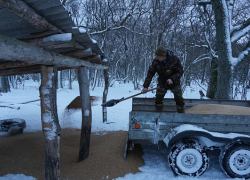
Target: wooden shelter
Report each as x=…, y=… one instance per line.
x=38, y=36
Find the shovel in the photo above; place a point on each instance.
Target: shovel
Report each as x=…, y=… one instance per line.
x=113, y=102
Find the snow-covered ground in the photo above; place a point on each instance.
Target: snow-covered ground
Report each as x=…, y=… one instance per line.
x=156, y=166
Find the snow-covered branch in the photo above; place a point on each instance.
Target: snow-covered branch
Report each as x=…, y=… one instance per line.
x=240, y=30
x=230, y=5
x=199, y=46
x=116, y=28
x=244, y=53
x=118, y=25
x=213, y=53
x=198, y=59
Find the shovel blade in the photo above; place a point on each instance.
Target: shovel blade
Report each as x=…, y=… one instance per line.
x=112, y=102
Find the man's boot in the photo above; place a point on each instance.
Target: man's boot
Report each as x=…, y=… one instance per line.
x=181, y=110
x=158, y=107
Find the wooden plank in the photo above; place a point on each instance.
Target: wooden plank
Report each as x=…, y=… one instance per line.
x=36, y=55
x=21, y=9
x=86, y=113
x=79, y=53
x=50, y=123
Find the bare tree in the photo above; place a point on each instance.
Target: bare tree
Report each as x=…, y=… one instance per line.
x=129, y=32
x=228, y=31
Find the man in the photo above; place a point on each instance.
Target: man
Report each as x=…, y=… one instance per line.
x=170, y=70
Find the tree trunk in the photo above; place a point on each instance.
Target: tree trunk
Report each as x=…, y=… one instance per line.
x=94, y=79
x=50, y=123
x=86, y=113
x=70, y=79
x=105, y=93
x=223, y=46
x=4, y=84
x=212, y=85
x=56, y=77
x=59, y=79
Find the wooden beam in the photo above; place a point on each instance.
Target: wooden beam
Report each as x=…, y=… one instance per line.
x=50, y=123
x=25, y=70
x=21, y=9
x=20, y=70
x=79, y=53
x=51, y=40
x=13, y=64
x=86, y=113
x=45, y=33
x=56, y=43
x=15, y=50
x=93, y=59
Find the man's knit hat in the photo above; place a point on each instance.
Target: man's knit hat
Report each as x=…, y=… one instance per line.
x=161, y=51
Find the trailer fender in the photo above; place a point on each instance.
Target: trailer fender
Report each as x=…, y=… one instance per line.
x=206, y=138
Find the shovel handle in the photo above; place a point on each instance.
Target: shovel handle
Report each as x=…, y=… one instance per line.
x=137, y=94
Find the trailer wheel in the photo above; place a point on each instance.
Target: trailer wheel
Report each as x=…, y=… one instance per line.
x=235, y=161
x=12, y=126
x=6, y=124
x=188, y=158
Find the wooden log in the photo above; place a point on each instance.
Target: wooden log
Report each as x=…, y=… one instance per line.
x=45, y=33
x=79, y=53
x=15, y=50
x=21, y=9
x=86, y=113
x=105, y=93
x=50, y=123
x=52, y=40
x=93, y=59
x=56, y=43
x=14, y=64
x=20, y=70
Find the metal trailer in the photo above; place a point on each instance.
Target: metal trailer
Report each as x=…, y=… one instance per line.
x=189, y=136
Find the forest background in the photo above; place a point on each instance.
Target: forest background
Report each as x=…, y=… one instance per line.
x=211, y=38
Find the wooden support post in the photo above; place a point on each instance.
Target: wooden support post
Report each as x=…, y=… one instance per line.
x=86, y=113
x=50, y=123
x=105, y=93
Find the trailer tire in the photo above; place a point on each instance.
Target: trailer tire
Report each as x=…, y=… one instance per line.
x=235, y=160
x=188, y=158
x=12, y=126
